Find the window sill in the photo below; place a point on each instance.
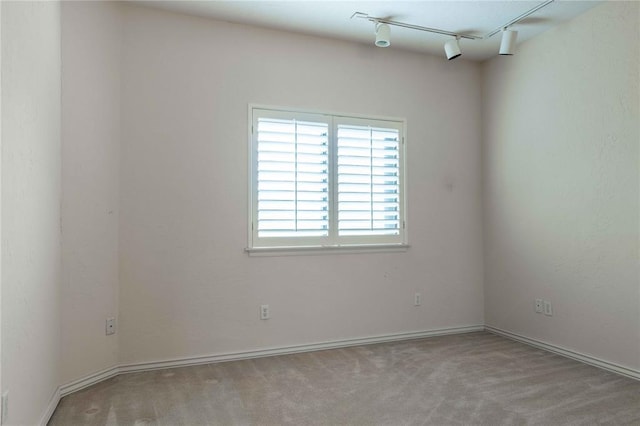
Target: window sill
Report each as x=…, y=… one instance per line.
x=316, y=250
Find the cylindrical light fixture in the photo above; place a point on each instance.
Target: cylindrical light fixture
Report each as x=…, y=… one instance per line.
x=383, y=35
x=452, y=49
x=508, y=43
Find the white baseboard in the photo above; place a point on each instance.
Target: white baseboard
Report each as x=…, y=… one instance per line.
x=89, y=380
x=285, y=350
x=587, y=359
x=94, y=378
x=51, y=407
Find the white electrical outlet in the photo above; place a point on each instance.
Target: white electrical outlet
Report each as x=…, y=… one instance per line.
x=110, y=326
x=548, y=310
x=5, y=407
x=264, y=312
x=538, y=306
x=417, y=301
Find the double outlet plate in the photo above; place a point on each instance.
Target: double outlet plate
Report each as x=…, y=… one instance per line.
x=544, y=307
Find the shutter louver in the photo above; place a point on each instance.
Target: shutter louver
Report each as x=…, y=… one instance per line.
x=368, y=172
x=292, y=177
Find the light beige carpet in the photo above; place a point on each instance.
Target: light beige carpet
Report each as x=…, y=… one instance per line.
x=469, y=379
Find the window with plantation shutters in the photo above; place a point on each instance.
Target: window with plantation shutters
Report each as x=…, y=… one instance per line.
x=325, y=181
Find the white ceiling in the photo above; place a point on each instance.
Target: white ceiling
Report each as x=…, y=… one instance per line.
x=330, y=18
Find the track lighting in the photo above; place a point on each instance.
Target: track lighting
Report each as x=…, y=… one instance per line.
x=383, y=35
x=452, y=49
x=508, y=43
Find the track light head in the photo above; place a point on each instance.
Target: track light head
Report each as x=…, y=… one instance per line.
x=508, y=43
x=383, y=35
x=452, y=49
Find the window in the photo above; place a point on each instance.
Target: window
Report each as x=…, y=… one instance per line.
x=329, y=181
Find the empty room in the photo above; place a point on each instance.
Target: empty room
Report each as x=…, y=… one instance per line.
x=320, y=212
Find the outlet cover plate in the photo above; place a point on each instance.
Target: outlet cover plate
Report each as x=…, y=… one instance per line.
x=264, y=312
x=538, y=306
x=110, y=326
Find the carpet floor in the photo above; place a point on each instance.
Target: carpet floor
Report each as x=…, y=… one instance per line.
x=467, y=379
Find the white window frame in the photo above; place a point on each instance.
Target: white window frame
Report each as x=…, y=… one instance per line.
x=333, y=243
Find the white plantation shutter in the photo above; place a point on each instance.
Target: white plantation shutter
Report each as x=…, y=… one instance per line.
x=292, y=178
x=368, y=180
x=325, y=181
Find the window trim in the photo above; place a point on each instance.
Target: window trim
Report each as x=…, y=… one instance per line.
x=325, y=245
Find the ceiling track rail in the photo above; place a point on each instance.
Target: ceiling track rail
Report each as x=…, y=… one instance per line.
x=457, y=35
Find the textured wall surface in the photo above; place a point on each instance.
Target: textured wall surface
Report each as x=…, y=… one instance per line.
x=186, y=286
x=90, y=184
x=154, y=200
x=30, y=207
x=561, y=185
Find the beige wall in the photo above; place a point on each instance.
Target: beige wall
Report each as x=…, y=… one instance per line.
x=154, y=191
x=91, y=39
x=186, y=286
x=561, y=185
x=30, y=208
